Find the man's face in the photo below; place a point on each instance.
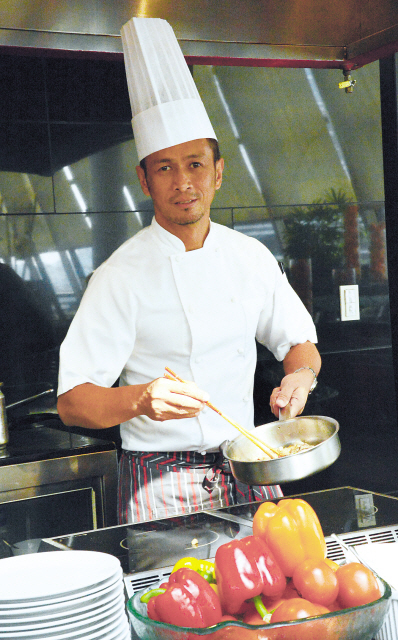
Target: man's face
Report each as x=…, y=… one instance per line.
x=182, y=181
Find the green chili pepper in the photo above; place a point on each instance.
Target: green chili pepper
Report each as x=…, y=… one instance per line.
x=151, y=594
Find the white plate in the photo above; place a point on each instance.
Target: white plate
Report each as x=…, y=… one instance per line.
x=64, y=599
x=55, y=575
x=60, y=609
x=70, y=622
x=122, y=632
x=88, y=632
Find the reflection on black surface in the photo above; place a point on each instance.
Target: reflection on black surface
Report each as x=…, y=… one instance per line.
x=336, y=509
x=158, y=544
x=153, y=545
x=26, y=326
x=54, y=112
x=45, y=440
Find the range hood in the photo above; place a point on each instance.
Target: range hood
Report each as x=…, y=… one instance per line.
x=342, y=34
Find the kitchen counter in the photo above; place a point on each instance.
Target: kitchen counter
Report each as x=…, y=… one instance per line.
x=148, y=550
x=54, y=481
x=43, y=439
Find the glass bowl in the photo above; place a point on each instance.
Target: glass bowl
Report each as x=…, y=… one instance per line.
x=358, y=623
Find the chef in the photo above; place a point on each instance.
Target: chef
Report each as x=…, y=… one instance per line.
x=184, y=293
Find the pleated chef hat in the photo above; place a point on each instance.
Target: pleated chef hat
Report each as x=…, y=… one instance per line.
x=165, y=103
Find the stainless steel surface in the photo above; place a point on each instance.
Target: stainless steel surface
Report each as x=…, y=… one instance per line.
x=96, y=470
x=3, y=421
x=268, y=29
x=320, y=431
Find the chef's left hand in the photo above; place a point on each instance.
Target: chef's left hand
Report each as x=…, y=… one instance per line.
x=292, y=394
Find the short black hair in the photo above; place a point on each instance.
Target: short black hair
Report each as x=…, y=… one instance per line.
x=215, y=147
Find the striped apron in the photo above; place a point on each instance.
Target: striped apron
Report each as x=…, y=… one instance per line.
x=162, y=485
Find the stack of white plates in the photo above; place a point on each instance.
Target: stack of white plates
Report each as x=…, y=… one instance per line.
x=62, y=595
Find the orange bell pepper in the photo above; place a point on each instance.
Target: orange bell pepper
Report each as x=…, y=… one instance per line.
x=292, y=531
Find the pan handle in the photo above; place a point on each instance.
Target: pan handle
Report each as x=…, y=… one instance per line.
x=223, y=446
x=285, y=413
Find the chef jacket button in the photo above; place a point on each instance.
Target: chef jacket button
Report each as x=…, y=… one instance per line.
x=233, y=300
x=198, y=360
x=241, y=350
x=246, y=398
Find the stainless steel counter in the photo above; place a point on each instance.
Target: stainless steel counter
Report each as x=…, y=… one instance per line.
x=53, y=482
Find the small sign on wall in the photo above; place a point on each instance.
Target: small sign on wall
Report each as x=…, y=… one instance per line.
x=349, y=302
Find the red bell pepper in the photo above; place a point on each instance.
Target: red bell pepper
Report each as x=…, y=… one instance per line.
x=188, y=601
x=244, y=569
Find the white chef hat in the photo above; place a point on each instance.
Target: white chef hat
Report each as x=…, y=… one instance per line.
x=165, y=103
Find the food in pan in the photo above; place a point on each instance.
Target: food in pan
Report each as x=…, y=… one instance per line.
x=287, y=450
x=291, y=449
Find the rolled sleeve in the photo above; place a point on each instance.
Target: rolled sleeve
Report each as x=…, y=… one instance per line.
x=288, y=322
x=102, y=334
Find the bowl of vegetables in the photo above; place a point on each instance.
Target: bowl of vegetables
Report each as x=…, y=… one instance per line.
x=276, y=584
x=357, y=623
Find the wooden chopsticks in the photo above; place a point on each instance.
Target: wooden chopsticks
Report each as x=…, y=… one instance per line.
x=259, y=443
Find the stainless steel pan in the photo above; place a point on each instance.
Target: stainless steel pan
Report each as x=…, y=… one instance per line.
x=319, y=431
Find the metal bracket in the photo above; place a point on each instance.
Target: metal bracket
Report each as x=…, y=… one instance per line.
x=347, y=84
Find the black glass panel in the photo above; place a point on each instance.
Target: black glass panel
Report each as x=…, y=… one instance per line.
x=87, y=91
x=24, y=148
x=22, y=89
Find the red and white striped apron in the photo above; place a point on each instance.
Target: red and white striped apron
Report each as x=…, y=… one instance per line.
x=165, y=484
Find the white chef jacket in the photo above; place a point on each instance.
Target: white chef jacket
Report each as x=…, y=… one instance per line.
x=153, y=305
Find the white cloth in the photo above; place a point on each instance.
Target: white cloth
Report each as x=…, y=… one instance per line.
x=152, y=305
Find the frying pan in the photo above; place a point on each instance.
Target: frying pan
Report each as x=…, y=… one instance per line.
x=319, y=431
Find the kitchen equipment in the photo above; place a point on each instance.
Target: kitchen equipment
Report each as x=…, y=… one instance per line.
x=319, y=431
x=358, y=623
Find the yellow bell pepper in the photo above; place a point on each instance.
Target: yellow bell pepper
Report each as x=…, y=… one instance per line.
x=292, y=531
x=204, y=567
x=265, y=511
x=333, y=565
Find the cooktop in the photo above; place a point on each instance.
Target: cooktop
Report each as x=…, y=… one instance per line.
x=151, y=545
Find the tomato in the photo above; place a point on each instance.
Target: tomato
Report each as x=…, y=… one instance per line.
x=290, y=592
x=334, y=606
x=316, y=582
x=252, y=617
x=298, y=609
x=239, y=633
x=260, y=634
x=357, y=585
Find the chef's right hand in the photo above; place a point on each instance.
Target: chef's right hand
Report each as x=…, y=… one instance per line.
x=165, y=399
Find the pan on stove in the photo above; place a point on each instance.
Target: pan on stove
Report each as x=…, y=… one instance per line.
x=319, y=431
